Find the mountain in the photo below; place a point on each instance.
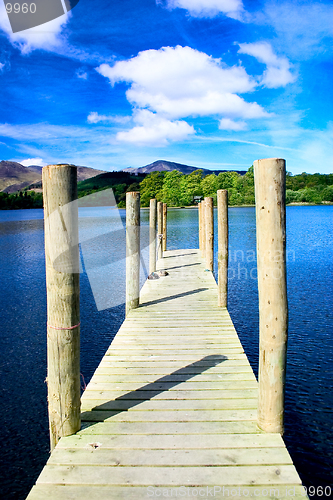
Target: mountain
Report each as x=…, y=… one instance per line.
x=167, y=166
x=14, y=176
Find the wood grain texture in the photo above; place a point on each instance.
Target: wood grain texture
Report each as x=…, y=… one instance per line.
x=63, y=299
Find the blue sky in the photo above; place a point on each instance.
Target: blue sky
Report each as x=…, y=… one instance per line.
x=209, y=83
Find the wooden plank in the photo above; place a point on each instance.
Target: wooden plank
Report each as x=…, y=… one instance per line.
x=176, y=394
x=232, y=359
x=108, y=383
x=236, y=456
x=168, y=404
x=165, y=367
x=120, y=375
x=232, y=414
x=198, y=428
x=172, y=387
x=183, y=442
x=196, y=476
x=94, y=492
x=203, y=381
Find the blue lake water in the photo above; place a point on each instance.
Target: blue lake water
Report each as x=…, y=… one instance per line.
x=309, y=394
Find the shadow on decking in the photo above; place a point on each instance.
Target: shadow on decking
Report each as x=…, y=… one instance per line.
x=147, y=392
x=171, y=297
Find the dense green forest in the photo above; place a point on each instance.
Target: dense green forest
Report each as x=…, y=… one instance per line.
x=22, y=199
x=178, y=190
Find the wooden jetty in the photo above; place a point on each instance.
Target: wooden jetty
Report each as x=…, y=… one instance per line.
x=171, y=409
x=174, y=409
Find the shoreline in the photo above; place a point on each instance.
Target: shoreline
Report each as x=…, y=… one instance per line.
x=293, y=204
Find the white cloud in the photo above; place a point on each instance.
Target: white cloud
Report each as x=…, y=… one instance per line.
x=278, y=72
x=181, y=82
x=2, y=65
x=32, y=161
x=154, y=130
x=47, y=36
x=207, y=8
x=227, y=124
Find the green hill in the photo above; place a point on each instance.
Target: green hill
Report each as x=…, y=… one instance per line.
x=120, y=182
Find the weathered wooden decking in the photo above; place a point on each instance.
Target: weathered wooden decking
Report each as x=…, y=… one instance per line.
x=171, y=409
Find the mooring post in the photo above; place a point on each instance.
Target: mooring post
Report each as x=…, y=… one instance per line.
x=209, y=233
x=200, y=226
x=203, y=218
x=63, y=299
x=160, y=229
x=222, y=256
x=132, y=250
x=164, y=225
x=269, y=175
x=152, y=235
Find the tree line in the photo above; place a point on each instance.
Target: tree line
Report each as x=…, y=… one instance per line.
x=179, y=190
x=22, y=199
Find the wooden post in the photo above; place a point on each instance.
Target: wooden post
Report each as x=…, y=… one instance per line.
x=200, y=226
x=164, y=225
x=152, y=235
x=203, y=218
x=269, y=177
x=63, y=300
x=132, y=250
x=222, y=259
x=209, y=213
x=159, y=229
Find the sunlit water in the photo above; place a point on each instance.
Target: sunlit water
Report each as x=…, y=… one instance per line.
x=309, y=395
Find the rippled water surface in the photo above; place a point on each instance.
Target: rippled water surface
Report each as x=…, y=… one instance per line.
x=309, y=394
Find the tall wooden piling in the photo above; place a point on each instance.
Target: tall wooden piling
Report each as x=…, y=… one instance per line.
x=164, y=225
x=203, y=219
x=269, y=177
x=222, y=258
x=209, y=216
x=63, y=300
x=160, y=229
x=200, y=225
x=152, y=235
x=132, y=250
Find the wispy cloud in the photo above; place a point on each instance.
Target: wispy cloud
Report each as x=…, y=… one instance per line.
x=207, y=8
x=227, y=124
x=278, y=72
x=94, y=117
x=155, y=130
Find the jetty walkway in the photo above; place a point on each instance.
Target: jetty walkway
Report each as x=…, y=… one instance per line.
x=171, y=410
